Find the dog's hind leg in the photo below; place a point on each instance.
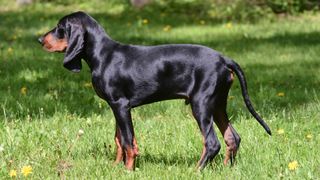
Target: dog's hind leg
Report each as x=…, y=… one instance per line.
x=211, y=145
x=231, y=137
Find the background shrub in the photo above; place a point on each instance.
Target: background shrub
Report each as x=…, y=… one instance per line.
x=240, y=10
x=292, y=6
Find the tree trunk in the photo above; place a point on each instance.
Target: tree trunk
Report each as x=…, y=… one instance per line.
x=139, y=3
x=23, y=2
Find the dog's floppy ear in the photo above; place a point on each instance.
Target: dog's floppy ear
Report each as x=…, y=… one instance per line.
x=72, y=58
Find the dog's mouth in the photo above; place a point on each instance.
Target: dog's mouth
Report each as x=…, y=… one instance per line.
x=49, y=48
x=51, y=44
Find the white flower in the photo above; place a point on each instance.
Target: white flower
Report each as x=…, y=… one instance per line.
x=1, y=148
x=80, y=132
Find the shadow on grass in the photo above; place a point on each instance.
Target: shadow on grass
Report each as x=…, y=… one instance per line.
x=296, y=80
x=172, y=160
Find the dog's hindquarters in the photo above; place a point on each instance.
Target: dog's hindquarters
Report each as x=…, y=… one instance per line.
x=208, y=102
x=236, y=68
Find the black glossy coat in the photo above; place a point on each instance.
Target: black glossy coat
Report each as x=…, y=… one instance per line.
x=127, y=76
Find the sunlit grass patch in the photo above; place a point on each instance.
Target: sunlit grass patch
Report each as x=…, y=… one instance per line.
x=32, y=76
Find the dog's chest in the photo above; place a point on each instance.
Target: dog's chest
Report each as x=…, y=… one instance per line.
x=98, y=87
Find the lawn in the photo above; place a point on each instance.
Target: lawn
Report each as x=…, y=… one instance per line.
x=43, y=105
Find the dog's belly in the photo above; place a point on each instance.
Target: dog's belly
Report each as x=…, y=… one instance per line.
x=153, y=90
x=155, y=97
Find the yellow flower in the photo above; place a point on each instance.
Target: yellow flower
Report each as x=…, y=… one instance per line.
x=280, y=131
x=202, y=22
x=280, y=94
x=13, y=173
x=26, y=170
x=167, y=28
x=231, y=97
x=145, y=21
x=100, y=105
x=10, y=50
x=229, y=25
x=309, y=136
x=88, y=85
x=293, y=165
x=23, y=90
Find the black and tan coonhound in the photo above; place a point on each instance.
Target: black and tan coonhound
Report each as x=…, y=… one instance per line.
x=127, y=76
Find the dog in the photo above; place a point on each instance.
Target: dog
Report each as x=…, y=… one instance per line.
x=127, y=76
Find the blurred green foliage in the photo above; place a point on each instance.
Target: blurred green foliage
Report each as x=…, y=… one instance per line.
x=69, y=2
x=239, y=10
x=292, y=6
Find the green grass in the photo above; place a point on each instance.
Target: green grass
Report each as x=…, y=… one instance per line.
x=43, y=106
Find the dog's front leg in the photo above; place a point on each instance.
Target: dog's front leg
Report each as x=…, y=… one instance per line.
x=126, y=144
x=120, y=153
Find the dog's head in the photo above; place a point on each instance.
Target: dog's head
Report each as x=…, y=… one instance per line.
x=67, y=37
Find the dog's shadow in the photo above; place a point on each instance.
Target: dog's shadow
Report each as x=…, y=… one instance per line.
x=174, y=160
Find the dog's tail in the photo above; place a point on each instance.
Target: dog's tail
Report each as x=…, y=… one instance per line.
x=236, y=68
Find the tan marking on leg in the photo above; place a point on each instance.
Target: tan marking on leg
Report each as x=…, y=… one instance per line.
x=231, y=149
x=135, y=147
x=229, y=139
x=203, y=153
x=119, y=156
x=130, y=157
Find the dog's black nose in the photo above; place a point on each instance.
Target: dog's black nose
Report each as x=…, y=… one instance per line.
x=40, y=40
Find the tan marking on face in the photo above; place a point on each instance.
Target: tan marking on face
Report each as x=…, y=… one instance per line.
x=53, y=44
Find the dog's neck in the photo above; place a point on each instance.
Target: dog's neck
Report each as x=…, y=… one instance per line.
x=95, y=54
